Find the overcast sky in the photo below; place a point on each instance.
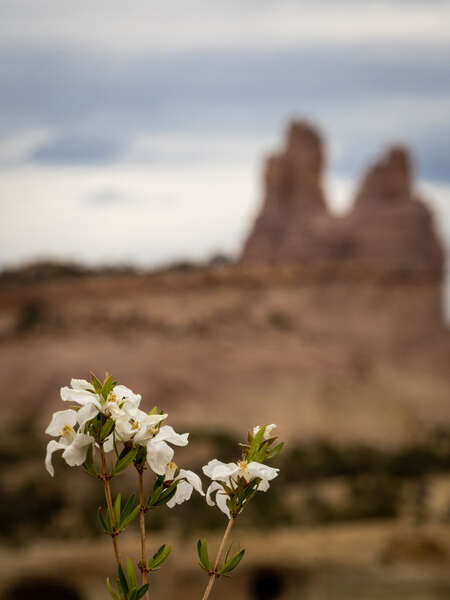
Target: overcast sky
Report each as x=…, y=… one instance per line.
x=135, y=131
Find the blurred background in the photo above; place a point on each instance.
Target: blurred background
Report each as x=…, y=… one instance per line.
x=242, y=211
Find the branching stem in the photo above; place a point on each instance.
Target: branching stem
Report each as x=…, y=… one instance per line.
x=213, y=576
x=106, y=478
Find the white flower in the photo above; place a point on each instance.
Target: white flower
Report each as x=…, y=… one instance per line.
x=74, y=444
x=133, y=424
x=188, y=481
x=119, y=399
x=233, y=472
x=82, y=393
x=267, y=432
x=159, y=453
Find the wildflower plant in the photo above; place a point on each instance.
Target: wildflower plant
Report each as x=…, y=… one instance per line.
x=106, y=432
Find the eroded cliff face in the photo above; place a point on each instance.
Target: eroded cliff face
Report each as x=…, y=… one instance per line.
x=389, y=229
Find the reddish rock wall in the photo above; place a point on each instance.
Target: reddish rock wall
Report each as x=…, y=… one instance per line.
x=388, y=230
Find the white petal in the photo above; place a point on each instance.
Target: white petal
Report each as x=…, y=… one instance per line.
x=183, y=493
x=108, y=444
x=267, y=431
x=193, y=479
x=52, y=446
x=75, y=454
x=86, y=413
x=168, y=434
x=256, y=469
x=59, y=419
x=219, y=471
x=263, y=485
x=221, y=501
x=81, y=384
x=159, y=455
x=81, y=397
x=125, y=394
x=213, y=487
x=151, y=420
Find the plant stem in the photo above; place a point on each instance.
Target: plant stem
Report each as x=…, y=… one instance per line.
x=142, y=528
x=213, y=576
x=106, y=478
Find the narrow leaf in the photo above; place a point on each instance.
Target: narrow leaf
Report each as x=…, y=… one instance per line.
x=111, y=590
x=232, y=563
x=88, y=464
x=122, y=581
x=96, y=383
x=132, y=581
x=102, y=522
x=272, y=453
x=141, y=591
x=117, y=504
x=204, y=558
x=128, y=506
x=107, y=386
x=159, y=557
x=106, y=429
x=127, y=520
x=124, y=462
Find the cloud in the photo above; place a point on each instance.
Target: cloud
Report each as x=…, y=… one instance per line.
x=177, y=26
x=149, y=214
x=77, y=150
x=229, y=104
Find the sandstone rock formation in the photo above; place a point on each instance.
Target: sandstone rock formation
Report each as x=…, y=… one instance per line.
x=391, y=227
x=389, y=230
x=288, y=227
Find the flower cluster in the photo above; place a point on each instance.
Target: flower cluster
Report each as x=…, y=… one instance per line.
x=106, y=414
x=234, y=484
x=106, y=431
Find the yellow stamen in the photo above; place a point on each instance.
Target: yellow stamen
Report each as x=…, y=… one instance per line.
x=112, y=397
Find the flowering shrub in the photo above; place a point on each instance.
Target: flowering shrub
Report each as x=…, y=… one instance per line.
x=106, y=432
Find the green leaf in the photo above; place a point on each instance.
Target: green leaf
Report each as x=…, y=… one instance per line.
x=232, y=563
x=141, y=591
x=106, y=528
x=256, y=443
x=88, y=464
x=166, y=495
x=132, y=594
x=161, y=495
x=202, y=551
x=107, y=386
x=122, y=581
x=111, y=590
x=132, y=581
x=117, y=504
x=124, y=462
x=106, y=429
x=159, y=557
x=128, y=507
x=129, y=518
x=272, y=453
x=96, y=383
